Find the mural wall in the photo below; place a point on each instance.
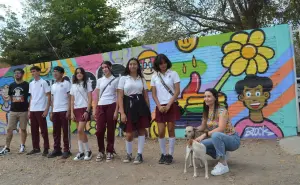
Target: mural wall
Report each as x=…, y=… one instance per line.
x=252, y=70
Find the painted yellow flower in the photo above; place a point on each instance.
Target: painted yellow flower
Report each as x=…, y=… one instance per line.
x=245, y=53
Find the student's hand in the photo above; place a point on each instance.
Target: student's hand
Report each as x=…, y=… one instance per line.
x=73, y=116
x=123, y=118
x=167, y=107
x=51, y=116
x=45, y=113
x=200, y=138
x=161, y=109
x=85, y=116
x=115, y=116
x=28, y=114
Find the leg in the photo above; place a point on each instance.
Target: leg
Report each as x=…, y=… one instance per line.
x=111, y=127
x=23, y=119
x=12, y=125
x=80, y=144
x=161, y=135
x=187, y=155
x=194, y=164
x=171, y=130
x=210, y=149
x=206, y=168
x=66, y=128
x=56, y=131
x=191, y=159
x=101, y=126
x=44, y=130
x=141, y=140
x=35, y=136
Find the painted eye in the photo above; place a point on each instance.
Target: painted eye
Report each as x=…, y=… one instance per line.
x=257, y=93
x=248, y=94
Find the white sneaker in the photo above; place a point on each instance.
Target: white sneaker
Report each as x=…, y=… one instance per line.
x=4, y=151
x=109, y=157
x=88, y=156
x=22, y=149
x=79, y=157
x=219, y=169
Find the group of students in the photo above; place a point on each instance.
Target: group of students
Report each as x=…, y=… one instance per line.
x=126, y=95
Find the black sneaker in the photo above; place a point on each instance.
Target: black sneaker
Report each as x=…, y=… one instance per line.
x=4, y=151
x=168, y=159
x=66, y=155
x=45, y=152
x=162, y=159
x=128, y=158
x=54, y=153
x=79, y=157
x=138, y=159
x=34, y=151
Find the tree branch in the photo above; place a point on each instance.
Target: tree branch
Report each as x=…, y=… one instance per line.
x=240, y=5
x=235, y=13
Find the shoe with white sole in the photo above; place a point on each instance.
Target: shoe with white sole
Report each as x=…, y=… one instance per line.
x=88, y=156
x=79, y=157
x=4, y=151
x=109, y=157
x=22, y=149
x=220, y=169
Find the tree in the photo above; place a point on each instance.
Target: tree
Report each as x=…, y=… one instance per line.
x=210, y=17
x=61, y=29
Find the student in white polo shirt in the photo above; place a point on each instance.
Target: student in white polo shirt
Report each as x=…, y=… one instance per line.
x=134, y=107
x=39, y=107
x=60, y=113
x=106, y=113
x=165, y=90
x=81, y=104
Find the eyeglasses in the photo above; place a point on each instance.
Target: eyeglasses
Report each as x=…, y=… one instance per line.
x=17, y=73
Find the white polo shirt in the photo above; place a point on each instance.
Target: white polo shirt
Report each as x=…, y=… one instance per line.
x=170, y=78
x=60, y=92
x=109, y=96
x=80, y=94
x=38, y=90
x=132, y=86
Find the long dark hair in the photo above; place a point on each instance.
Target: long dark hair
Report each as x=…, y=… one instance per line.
x=214, y=92
x=84, y=79
x=139, y=70
x=158, y=60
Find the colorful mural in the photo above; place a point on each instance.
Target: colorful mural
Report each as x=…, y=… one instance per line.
x=253, y=71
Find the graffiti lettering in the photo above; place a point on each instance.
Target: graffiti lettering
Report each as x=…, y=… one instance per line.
x=260, y=132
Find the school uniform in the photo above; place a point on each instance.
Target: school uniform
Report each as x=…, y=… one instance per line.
x=135, y=107
x=106, y=107
x=60, y=92
x=170, y=78
x=80, y=100
x=38, y=104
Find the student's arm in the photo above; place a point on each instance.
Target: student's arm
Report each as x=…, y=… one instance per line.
x=51, y=108
x=117, y=102
x=120, y=99
x=146, y=93
x=154, y=96
x=72, y=108
x=48, y=94
x=97, y=91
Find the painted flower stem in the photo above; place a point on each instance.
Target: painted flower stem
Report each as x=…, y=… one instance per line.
x=222, y=81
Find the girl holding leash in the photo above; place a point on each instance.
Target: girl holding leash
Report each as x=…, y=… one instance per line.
x=106, y=113
x=165, y=90
x=81, y=104
x=134, y=108
x=221, y=135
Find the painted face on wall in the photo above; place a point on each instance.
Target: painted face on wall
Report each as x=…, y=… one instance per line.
x=4, y=93
x=147, y=66
x=254, y=98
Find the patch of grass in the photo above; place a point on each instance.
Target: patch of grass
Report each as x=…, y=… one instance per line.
x=178, y=67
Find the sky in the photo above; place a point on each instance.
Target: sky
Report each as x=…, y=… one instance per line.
x=15, y=5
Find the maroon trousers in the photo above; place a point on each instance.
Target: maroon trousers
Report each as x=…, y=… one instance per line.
x=38, y=121
x=105, y=114
x=60, y=122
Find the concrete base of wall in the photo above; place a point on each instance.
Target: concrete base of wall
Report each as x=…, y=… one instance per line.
x=290, y=145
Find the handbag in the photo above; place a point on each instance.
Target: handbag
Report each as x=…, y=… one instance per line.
x=181, y=109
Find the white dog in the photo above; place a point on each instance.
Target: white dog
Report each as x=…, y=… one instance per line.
x=195, y=151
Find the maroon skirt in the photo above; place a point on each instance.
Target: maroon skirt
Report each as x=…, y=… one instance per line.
x=143, y=122
x=79, y=115
x=171, y=116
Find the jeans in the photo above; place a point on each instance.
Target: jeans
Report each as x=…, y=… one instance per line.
x=219, y=143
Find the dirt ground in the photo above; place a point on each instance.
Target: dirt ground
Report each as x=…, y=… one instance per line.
x=256, y=162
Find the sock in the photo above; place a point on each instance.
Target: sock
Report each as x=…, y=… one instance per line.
x=129, y=147
x=86, y=147
x=162, y=144
x=171, y=145
x=141, y=143
x=80, y=146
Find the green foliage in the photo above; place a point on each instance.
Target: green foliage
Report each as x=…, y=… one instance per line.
x=60, y=29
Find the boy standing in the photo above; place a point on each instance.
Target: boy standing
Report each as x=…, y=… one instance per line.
x=18, y=93
x=60, y=113
x=39, y=107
